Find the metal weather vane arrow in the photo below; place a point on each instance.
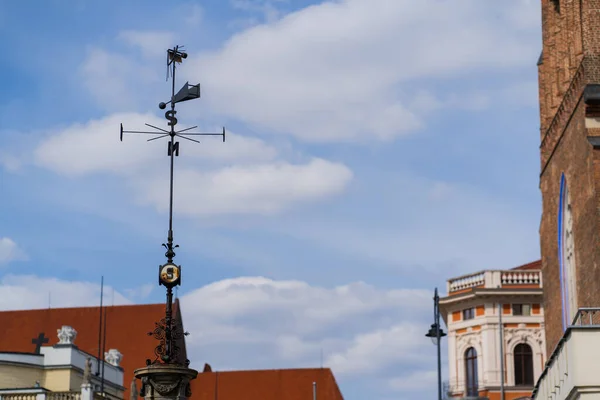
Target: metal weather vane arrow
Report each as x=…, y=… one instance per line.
x=170, y=273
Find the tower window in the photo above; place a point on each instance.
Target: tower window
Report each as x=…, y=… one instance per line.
x=468, y=313
x=521, y=309
x=471, y=372
x=523, y=365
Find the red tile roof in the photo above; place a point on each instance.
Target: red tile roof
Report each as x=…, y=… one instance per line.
x=282, y=384
x=532, y=265
x=127, y=328
x=127, y=331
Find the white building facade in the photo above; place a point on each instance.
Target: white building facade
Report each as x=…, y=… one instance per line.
x=60, y=372
x=471, y=312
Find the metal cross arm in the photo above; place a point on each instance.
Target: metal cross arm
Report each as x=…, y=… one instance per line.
x=164, y=133
x=200, y=134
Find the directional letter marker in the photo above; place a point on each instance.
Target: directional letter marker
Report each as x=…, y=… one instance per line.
x=170, y=273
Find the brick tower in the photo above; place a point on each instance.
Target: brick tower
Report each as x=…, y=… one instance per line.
x=568, y=69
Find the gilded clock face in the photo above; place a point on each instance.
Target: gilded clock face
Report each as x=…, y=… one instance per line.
x=169, y=273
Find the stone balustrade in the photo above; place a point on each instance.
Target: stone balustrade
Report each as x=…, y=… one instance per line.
x=492, y=279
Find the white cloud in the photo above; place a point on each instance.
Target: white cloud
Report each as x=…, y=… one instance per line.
x=242, y=176
x=324, y=81
x=140, y=293
x=361, y=330
x=83, y=149
x=415, y=381
x=194, y=14
x=94, y=147
x=22, y=292
x=152, y=44
x=424, y=223
x=254, y=322
x=267, y=8
x=10, y=162
x=375, y=350
x=10, y=251
x=355, y=79
x=105, y=77
x=260, y=189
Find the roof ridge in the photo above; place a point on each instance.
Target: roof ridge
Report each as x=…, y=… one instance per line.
x=84, y=307
x=271, y=370
x=527, y=265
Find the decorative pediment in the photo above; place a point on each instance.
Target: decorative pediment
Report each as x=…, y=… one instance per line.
x=524, y=335
x=469, y=339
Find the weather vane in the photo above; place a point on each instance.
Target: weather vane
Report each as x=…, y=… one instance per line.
x=169, y=273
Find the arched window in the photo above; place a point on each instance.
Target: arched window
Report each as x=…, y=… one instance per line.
x=523, y=365
x=471, y=372
x=567, y=256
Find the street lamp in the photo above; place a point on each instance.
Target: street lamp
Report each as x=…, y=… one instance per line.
x=436, y=333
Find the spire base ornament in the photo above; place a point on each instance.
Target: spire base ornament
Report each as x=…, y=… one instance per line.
x=165, y=381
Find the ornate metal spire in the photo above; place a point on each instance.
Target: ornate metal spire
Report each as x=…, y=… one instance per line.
x=168, y=333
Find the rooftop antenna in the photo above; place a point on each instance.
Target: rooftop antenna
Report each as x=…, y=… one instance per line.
x=314, y=390
x=103, y=351
x=100, y=327
x=166, y=331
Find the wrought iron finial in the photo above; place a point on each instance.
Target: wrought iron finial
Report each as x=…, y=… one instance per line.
x=165, y=330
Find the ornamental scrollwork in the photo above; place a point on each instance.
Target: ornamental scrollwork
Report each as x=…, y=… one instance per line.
x=164, y=388
x=160, y=333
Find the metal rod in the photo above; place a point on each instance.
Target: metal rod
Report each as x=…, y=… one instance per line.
x=170, y=253
x=145, y=132
x=203, y=134
x=103, y=350
x=187, y=129
x=501, y=331
x=158, y=137
x=187, y=138
x=170, y=236
x=314, y=390
x=100, y=327
x=156, y=127
x=436, y=308
x=168, y=322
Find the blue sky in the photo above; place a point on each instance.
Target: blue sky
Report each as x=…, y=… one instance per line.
x=376, y=148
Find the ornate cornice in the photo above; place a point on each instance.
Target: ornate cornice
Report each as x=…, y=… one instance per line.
x=563, y=115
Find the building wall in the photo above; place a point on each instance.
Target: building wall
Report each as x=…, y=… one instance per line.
x=571, y=49
x=14, y=376
x=563, y=50
x=57, y=380
x=75, y=380
x=482, y=333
